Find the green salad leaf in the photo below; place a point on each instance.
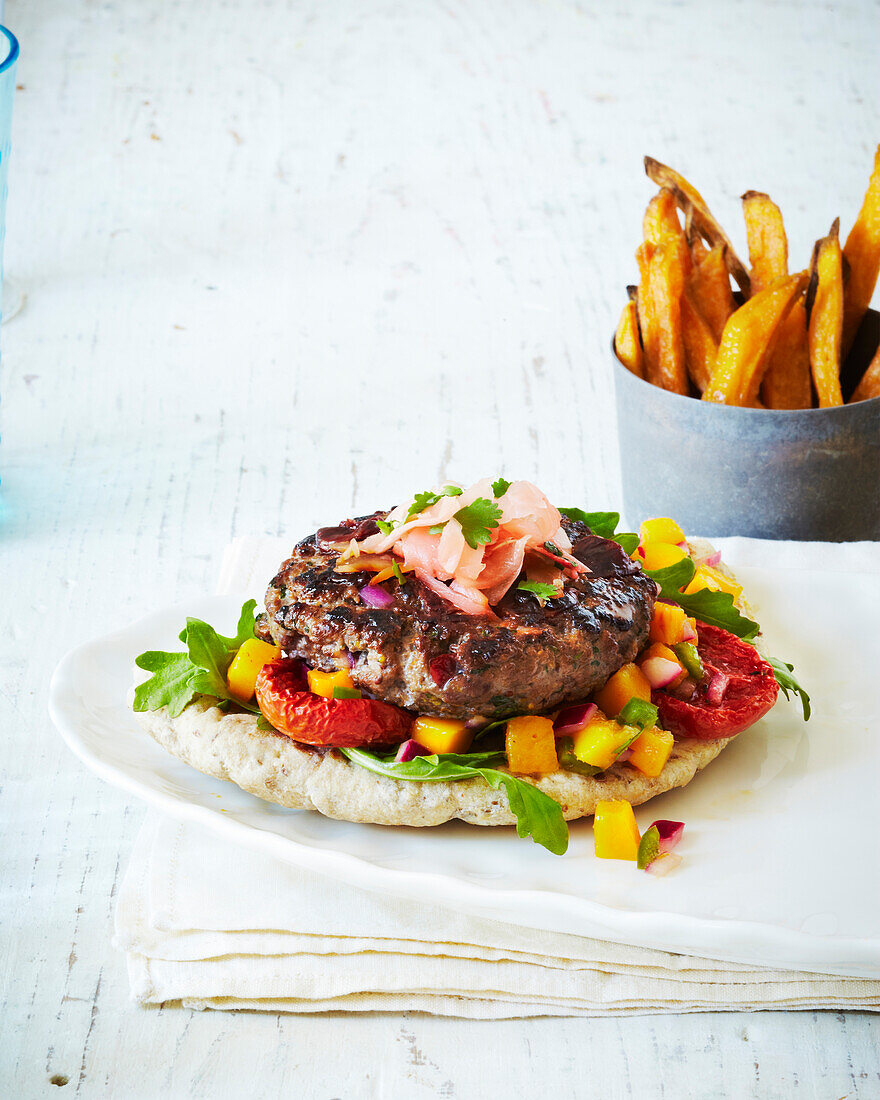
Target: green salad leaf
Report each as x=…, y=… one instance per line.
x=604, y=524
x=539, y=589
x=537, y=814
x=179, y=677
x=784, y=673
x=714, y=608
x=477, y=521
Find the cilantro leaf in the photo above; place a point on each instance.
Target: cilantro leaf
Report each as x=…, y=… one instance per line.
x=385, y=527
x=437, y=529
x=784, y=673
x=714, y=608
x=604, y=524
x=477, y=520
x=537, y=814
x=421, y=501
x=169, y=686
x=500, y=487
x=538, y=588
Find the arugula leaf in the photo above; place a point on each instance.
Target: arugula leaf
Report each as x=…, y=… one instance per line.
x=384, y=526
x=714, y=608
x=604, y=524
x=784, y=673
x=171, y=684
x=179, y=677
x=421, y=501
x=539, y=589
x=500, y=487
x=477, y=520
x=537, y=814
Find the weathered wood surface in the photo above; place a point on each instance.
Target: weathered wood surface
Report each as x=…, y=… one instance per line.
x=286, y=260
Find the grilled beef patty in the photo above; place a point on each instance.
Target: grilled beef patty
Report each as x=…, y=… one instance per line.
x=424, y=654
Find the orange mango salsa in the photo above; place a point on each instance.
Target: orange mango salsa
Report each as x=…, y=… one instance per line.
x=442, y=734
x=599, y=742
x=708, y=577
x=670, y=624
x=627, y=683
x=531, y=746
x=615, y=832
x=323, y=683
x=662, y=529
x=650, y=751
x=241, y=676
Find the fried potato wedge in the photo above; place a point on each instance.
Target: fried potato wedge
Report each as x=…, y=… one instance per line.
x=709, y=284
x=748, y=334
x=700, y=345
x=862, y=255
x=869, y=386
x=768, y=244
x=694, y=206
x=787, y=382
x=661, y=217
x=825, y=308
x=626, y=340
x=660, y=312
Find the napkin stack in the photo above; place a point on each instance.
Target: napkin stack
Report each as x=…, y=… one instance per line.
x=214, y=926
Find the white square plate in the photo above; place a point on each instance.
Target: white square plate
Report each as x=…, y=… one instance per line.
x=780, y=846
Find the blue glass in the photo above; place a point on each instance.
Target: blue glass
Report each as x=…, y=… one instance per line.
x=9, y=48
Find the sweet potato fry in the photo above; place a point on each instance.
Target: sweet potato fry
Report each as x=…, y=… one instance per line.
x=626, y=340
x=709, y=284
x=660, y=312
x=862, y=254
x=694, y=205
x=768, y=245
x=786, y=382
x=661, y=217
x=825, y=302
x=870, y=383
x=647, y=327
x=700, y=346
x=742, y=353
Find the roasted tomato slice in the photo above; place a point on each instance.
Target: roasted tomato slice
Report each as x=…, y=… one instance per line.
x=750, y=692
x=345, y=723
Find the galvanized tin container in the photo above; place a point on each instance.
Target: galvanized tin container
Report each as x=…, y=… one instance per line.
x=721, y=470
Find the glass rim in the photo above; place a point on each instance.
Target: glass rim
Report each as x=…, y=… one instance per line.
x=12, y=56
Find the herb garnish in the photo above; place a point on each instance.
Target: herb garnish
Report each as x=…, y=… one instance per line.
x=537, y=814
x=179, y=677
x=539, y=589
x=604, y=524
x=714, y=608
x=500, y=487
x=784, y=673
x=477, y=520
x=421, y=501
x=385, y=527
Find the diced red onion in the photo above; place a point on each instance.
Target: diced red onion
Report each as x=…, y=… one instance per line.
x=660, y=671
x=663, y=864
x=712, y=559
x=573, y=719
x=682, y=546
x=669, y=833
x=409, y=750
x=688, y=633
x=374, y=596
x=716, y=688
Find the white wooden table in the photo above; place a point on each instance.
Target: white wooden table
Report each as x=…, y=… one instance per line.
x=286, y=260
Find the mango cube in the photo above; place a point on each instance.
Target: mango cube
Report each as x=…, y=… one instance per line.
x=627, y=683
x=670, y=625
x=241, y=676
x=657, y=555
x=615, y=832
x=707, y=577
x=650, y=751
x=323, y=683
x=662, y=529
x=599, y=742
x=442, y=734
x=531, y=746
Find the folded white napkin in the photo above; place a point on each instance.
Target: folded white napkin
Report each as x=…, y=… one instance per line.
x=214, y=926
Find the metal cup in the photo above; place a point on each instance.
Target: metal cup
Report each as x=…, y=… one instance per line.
x=722, y=470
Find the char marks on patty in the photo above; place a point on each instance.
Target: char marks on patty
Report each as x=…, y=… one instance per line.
x=426, y=655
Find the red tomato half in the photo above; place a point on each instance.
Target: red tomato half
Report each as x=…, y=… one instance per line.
x=750, y=693
x=345, y=723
